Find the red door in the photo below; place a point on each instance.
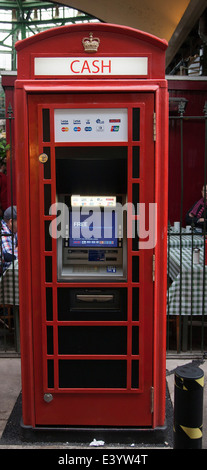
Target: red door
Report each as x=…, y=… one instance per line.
x=91, y=370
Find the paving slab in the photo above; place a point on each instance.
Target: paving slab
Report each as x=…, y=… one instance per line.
x=10, y=386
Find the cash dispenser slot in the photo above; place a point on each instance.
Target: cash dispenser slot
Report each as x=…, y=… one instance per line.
x=94, y=298
x=84, y=299
x=88, y=304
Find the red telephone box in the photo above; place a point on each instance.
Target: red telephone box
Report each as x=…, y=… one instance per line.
x=92, y=131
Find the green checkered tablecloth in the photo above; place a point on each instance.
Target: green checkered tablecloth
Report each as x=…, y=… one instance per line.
x=7, y=297
x=186, y=240
x=192, y=284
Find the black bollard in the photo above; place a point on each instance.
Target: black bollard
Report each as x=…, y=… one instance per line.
x=188, y=407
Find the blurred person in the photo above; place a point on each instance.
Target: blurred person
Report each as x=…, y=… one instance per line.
x=196, y=213
x=9, y=241
x=3, y=188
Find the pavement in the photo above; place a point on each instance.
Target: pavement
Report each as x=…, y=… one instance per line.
x=10, y=390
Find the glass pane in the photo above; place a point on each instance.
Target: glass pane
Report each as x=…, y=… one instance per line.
x=135, y=239
x=49, y=304
x=135, y=196
x=49, y=340
x=47, y=164
x=92, y=374
x=135, y=340
x=136, y=124
x=135, y=304
x=135, y=374
x=92, y=339
x=135, y=269
x=47, y=198
x=135, y=165
x=48, y=268
x=50, y=373
x=46, y=125
x=48, y=238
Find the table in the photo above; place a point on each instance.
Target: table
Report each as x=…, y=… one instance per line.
x=7, y=296
x=186, y=239
x=192, y=284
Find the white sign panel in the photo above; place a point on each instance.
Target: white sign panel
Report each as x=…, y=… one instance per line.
x=90, y=66
x=93, y=201
x=91, y=125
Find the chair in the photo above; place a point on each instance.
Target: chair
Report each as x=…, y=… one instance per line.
x=6, y=317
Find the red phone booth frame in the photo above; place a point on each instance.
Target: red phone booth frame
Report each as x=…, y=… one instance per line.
x=32, y=90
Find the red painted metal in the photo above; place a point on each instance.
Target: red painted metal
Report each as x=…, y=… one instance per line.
x=112, y=42
x=107, y=407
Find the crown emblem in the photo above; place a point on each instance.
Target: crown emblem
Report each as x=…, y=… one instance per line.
x=91, y=44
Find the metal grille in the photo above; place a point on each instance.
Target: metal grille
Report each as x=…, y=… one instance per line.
x=187, y=267
x=9, y=309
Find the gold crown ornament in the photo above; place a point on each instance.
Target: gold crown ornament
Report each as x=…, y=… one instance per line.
x=91, y=44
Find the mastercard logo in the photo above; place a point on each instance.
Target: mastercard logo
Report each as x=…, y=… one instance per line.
x=65, y=129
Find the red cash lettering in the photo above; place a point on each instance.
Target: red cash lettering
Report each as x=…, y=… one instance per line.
x=72, y=66
x=96, y=66
x=85, y=67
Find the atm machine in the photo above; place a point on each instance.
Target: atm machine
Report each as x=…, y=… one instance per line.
x=95, y=247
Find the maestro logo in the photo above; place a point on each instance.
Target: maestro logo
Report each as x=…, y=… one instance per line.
x=77, y=129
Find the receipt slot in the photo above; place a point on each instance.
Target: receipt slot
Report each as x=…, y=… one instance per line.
x=91, y=155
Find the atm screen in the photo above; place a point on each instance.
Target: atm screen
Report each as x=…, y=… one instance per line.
x=95, y=229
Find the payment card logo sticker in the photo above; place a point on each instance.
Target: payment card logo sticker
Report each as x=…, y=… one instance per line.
x=64, y=122
x=76, y=121
x=77, y=129
x=111, y=269
x=100, y=128
x=114, y=120
x=65, y=129
x=88, y=129
x=114, y=128
x=99, y=121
